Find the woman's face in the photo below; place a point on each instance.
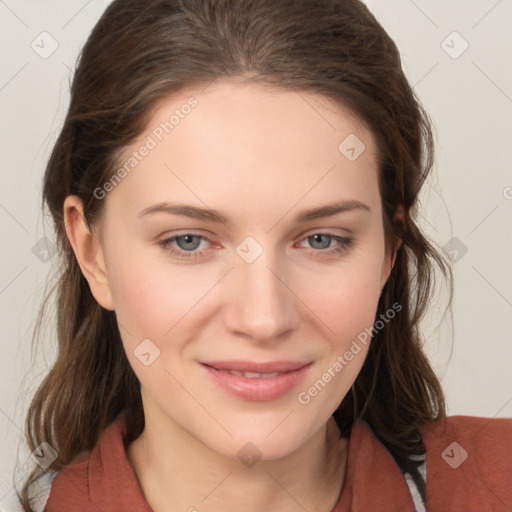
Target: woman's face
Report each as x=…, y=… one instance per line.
x=264, y=285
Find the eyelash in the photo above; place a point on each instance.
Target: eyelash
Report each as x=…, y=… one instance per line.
x=344, y=244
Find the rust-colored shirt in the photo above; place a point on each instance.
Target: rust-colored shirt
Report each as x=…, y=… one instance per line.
x=468, y=469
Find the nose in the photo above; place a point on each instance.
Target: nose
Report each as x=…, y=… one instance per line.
x=263, y=306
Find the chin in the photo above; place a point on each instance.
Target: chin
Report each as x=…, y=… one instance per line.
x=261, y=440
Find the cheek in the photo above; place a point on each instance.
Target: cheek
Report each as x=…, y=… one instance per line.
x=150, y=300
x=346, y=299
x=153, y=296
x=346, y=302
x=155, y=303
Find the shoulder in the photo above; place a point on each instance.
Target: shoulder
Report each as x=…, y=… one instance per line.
x=469, y=462
x=100, y=479
x=71, y=483
x=481, y=439
x=87, y=482
x=469, y=426
x=71, y=487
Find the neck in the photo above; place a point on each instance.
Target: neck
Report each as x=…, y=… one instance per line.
x=173, y=467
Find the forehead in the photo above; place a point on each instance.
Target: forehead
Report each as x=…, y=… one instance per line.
x=248, y=143
x=257, y=114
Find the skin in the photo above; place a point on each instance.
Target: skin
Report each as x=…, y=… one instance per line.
x=258, y=155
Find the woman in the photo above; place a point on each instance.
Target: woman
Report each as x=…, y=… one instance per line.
x=243, y=279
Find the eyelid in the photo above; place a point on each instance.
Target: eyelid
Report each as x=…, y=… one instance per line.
x=171, y=238
x=342, y=244
x=334, y=231
x=299, y=237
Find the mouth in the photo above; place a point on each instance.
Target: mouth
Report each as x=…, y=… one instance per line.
x=257, y=381
x=253, y=369
x=252, y=375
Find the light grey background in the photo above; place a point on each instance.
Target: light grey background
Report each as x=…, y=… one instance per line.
x=469, y=97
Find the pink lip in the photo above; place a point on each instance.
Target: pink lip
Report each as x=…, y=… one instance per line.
x=250, y=366
x=258, y=388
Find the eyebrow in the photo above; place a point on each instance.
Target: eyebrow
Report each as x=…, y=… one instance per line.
x=215, y=216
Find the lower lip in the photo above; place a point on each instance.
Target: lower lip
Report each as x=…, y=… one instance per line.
x=259, y=388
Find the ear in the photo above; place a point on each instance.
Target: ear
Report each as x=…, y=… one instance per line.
x=389, y=260
x=88, y=251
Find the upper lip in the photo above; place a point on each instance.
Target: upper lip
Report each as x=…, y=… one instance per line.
x=251, y=366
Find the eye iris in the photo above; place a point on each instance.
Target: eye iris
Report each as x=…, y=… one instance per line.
x=188, y=238
x=326, y=239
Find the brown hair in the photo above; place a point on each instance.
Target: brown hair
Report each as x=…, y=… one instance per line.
x=140, y=52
